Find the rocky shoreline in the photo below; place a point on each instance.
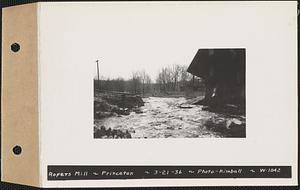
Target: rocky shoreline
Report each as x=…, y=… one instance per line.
x=114, y=104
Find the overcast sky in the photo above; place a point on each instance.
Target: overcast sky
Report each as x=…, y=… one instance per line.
x=128, y=37
x=147, y=39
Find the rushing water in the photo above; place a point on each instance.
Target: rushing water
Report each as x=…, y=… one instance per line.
x=163, y=118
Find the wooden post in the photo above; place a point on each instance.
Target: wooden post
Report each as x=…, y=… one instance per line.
x=97, y=61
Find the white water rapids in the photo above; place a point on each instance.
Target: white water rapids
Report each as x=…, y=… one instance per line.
x=164, y=118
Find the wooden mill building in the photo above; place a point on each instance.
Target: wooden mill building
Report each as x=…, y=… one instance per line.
x=223, y=71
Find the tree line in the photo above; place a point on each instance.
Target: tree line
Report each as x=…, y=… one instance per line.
x=174, y=78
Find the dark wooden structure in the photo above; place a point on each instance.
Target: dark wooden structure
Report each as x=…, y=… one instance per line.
x=223, y=71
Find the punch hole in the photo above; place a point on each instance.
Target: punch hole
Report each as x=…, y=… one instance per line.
x=17, y=150
x=15, y=47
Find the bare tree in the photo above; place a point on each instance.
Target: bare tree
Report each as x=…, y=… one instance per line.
x=143, y=77
x=173, y=78
x=135, y=82
x=184, y=76
x=175, y=71
x=164, y=78
x=148, y=84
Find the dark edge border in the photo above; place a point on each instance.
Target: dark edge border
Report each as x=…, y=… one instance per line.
x=119, y=172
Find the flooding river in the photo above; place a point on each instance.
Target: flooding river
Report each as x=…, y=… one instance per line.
x=164, y=118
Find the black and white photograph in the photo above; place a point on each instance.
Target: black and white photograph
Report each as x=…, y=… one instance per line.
x=203, y=98
x=150, y=94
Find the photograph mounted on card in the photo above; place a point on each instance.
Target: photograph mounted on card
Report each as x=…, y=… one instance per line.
x=139, y=94
x=204, y=99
